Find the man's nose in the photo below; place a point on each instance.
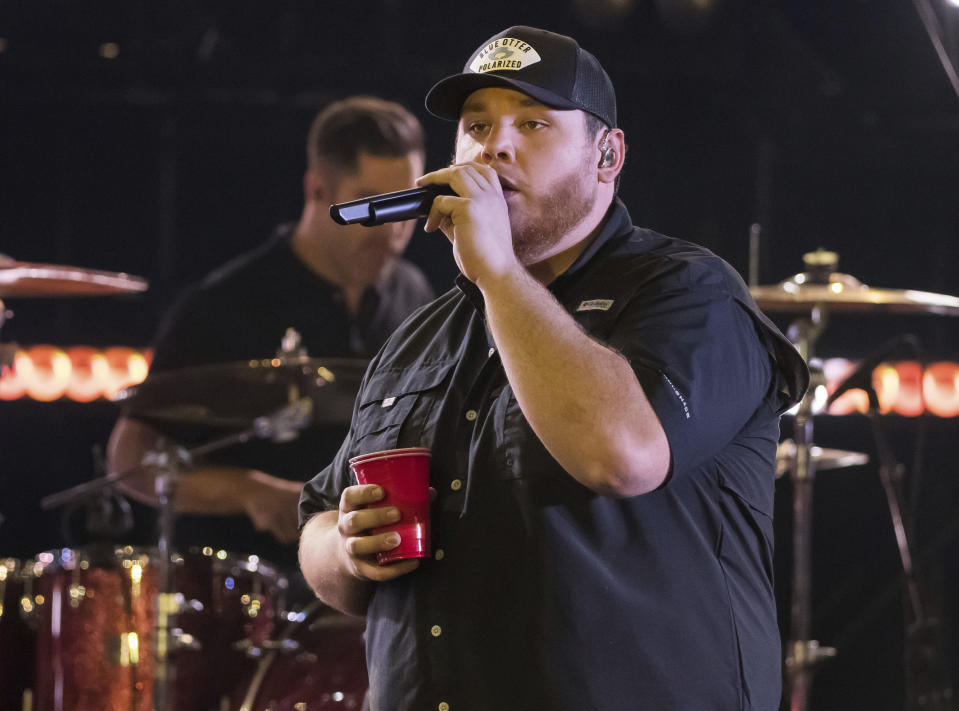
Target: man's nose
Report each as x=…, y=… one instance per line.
x=498, y=145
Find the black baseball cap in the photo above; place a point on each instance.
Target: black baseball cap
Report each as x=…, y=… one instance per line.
x=549, y=67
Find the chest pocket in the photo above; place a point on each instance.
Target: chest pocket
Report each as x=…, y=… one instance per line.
x=397, y=408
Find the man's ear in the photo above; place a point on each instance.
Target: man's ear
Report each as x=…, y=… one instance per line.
x=315, y=187
x=611, y=148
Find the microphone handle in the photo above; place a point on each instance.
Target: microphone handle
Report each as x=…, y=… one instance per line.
x=389, y=207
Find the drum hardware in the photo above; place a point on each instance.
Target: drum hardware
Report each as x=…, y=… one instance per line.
x=804, y=653
x=255, y=651
x=108, y=514
x=819, y=291
x=927, y=686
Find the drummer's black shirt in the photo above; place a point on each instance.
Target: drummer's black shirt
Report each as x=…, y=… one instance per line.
x=542, y=594
x=241, y=312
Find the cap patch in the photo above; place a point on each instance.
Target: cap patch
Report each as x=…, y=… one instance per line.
x=505, y=53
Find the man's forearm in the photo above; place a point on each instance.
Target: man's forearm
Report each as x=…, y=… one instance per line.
x=582, y=399
x=323, y=570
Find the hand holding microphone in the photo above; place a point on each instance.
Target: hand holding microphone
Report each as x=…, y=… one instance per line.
x=389, y=207
x=478, y=227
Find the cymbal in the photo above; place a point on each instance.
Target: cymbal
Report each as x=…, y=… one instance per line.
x=26, y=279
x=823, y=457
x=233, y=395
x=844, y=293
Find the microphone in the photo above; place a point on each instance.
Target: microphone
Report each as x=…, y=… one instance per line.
x=861, y=376
x=389, y=207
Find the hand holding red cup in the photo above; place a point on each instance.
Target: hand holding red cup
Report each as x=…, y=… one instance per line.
x=404, y=476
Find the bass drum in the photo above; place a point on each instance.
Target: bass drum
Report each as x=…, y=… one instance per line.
x=16, y=637
x=96, y=612
x=318, y=663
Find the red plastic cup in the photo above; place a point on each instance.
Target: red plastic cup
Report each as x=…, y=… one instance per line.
x=404, y=475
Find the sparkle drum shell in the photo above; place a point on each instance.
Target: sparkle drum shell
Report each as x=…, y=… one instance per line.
x=95, y=619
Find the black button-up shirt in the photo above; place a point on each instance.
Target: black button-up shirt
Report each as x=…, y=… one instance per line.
x=542, y=594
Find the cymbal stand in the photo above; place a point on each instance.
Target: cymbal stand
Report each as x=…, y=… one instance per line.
x=167, y=460
x=803, y=653
x=926, y=685
x=7, y=350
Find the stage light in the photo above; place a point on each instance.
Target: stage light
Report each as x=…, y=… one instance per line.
x=109, y=50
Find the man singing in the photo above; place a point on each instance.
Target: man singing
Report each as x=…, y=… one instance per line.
x=602, y=405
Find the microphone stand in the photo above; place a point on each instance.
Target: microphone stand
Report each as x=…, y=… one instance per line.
x=926, y=687
x=167, y=461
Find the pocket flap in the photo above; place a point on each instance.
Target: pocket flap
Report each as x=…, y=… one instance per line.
x=388, y=383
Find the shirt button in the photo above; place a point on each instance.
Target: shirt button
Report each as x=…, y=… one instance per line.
x=471, y=415
x=436, y=630
x=440, y=554
x=443, y=706
x=456, y=485
x=491, y=352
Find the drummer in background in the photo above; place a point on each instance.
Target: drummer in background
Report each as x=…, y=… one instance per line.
x=344, y=289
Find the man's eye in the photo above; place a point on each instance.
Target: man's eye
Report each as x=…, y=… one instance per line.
x=477, y=127
x=534, y=125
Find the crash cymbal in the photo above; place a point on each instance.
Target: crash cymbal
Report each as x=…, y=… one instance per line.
x=824, y=458
x=25, y=279
x=822, y=286
x=233, y=395
x=844, y=293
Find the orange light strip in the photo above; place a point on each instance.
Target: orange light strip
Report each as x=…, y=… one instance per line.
x=83, y=374
x=80, y=373
x=904, y=388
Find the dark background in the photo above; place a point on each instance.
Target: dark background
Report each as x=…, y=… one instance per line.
x=829, y=122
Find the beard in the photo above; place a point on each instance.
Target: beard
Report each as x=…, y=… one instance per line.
x=564, y=205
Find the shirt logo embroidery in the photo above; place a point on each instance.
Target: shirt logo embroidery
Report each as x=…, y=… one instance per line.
x=595, y=305
x=388, y=402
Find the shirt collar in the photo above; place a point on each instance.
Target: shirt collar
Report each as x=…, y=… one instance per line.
x=616, y=222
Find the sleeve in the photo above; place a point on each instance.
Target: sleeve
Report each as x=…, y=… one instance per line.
x=698, y=356
x=322, y=492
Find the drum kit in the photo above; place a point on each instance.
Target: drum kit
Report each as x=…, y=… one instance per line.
x=153, y=629
x=123, y=628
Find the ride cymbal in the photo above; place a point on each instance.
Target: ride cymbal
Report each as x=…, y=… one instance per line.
x=26, y=279
x=233, y=395
x=823, y=457
x=822, y=286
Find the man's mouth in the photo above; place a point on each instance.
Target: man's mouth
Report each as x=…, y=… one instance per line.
x=507, y=185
